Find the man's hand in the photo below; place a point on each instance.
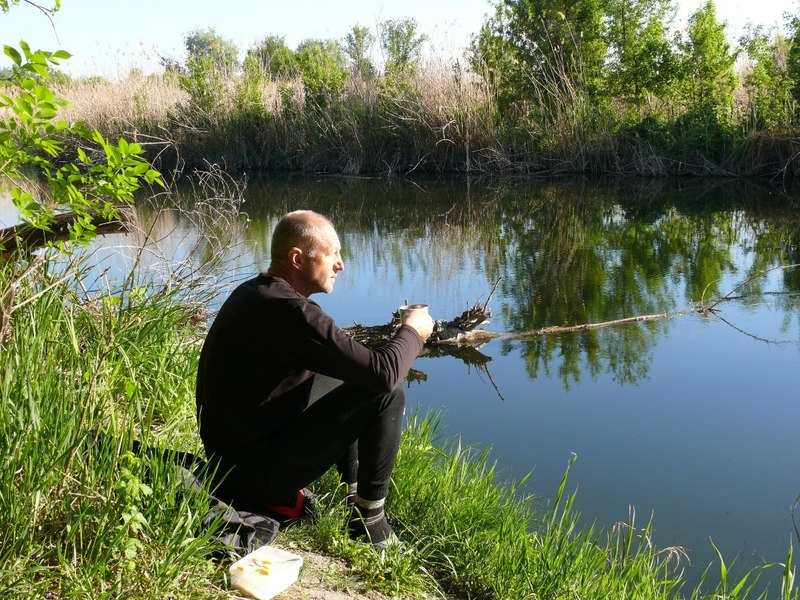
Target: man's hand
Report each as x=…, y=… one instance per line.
x=419, y=320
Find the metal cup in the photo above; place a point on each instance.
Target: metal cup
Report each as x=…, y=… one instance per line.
x=408, y=308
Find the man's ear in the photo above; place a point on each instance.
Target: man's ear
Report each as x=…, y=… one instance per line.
x=296, y=257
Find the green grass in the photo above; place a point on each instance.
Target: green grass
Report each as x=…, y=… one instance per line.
x=468, y=535
x=80, y=515
x=84, y=374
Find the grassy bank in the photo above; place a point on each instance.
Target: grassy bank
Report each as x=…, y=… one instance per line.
x=89, y=366
x=440, y=120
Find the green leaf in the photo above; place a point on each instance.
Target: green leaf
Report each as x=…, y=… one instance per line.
x=13, y=54
x=62, y=54
x=25, y=106
x=45, y=113
x=40, y=69
x=43, y=93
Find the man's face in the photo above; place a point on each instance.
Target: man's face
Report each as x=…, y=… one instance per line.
x=319, y=271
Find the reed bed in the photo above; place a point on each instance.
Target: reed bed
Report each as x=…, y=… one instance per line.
x=443, y=119
x=118, y=105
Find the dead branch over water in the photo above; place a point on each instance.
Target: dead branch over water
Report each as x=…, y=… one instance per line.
x=28, y=238
x=460, y=337
x=477, y=337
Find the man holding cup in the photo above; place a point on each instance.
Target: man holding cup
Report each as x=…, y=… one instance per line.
x=283, y=393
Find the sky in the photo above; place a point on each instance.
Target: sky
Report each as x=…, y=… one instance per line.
x=108, y=37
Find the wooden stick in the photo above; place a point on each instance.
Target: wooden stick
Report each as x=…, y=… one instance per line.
x=478, y=336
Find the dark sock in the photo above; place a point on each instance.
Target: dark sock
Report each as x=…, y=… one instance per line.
x=370, y=522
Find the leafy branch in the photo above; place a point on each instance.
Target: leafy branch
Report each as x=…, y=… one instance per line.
x=104, y=176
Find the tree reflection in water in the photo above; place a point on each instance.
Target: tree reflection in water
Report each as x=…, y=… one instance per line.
x=566, y=252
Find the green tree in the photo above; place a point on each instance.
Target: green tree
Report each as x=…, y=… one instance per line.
x=707, y=77
x=273, y=57
x=211, y=62
x=357, y=45
x=54, y=192
x=323, y=69
x=104, y=174
x=766, y=79
x=641, y=61
x=531, y=48
x=793, y=56
x=402, y=47
x=206, y=47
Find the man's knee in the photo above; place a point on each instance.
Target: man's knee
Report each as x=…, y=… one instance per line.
x=395, y=401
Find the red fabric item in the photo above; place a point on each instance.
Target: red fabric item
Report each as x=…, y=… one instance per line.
x=290, y=512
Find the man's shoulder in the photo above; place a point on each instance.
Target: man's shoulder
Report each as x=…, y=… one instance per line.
x=275, y=291
x=267, y=286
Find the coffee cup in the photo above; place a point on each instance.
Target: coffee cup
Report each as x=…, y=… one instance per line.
x=408, y=308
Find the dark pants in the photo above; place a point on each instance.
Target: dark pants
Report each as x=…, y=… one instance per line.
x=355, y=429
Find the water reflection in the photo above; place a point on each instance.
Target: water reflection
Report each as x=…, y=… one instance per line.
x=689, y=418
x=567, y=253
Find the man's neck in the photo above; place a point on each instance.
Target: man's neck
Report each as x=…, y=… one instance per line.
x=282, y=272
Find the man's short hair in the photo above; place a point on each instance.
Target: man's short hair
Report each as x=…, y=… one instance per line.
x=299, y=228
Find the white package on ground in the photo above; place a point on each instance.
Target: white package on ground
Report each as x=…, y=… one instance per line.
x=265, y=572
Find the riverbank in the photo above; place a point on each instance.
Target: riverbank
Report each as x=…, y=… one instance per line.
x=89, y=518
x=442, y=120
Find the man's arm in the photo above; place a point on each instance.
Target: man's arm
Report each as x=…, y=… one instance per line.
x=324, y=348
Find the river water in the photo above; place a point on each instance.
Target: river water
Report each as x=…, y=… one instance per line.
x=690, y=420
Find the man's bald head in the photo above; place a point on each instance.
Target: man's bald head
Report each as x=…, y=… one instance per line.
x=302, y=229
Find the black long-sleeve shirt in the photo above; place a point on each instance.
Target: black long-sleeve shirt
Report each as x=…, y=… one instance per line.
x=264, y=346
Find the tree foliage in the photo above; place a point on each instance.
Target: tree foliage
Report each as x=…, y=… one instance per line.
x=767, y=82
x=642, y=61
x=273, y=57
x=323, y=68
x=402, y=47
x=211, y=61
x=5, y=5
x=205, y=47
x=357, y=45
x=793, y=55
x=530, y=45
x=104, y=174
x=707, y=76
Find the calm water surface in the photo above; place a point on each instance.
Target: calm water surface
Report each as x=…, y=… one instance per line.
x=691, y=420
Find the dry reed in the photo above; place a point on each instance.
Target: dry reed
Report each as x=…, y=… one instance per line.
x=442, y=119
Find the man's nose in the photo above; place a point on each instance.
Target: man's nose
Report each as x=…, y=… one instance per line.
x=339, y=266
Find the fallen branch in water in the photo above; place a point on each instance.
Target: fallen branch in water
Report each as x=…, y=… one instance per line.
x=28, y=238
x=478, y=337
x=376, y=335
x=453, y=337
x=730, y=295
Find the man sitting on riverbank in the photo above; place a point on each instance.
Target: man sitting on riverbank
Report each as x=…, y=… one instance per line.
x=283, y=393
